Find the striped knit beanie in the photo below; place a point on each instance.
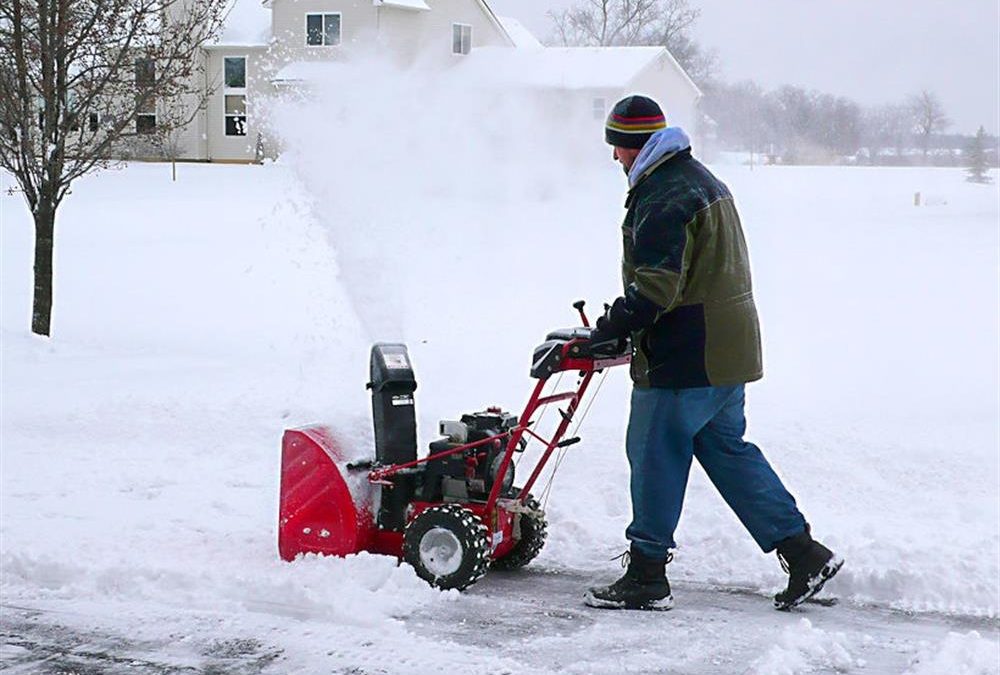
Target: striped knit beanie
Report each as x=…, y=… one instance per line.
x=632, y=121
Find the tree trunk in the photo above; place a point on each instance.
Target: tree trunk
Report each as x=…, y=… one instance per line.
x=41, y=313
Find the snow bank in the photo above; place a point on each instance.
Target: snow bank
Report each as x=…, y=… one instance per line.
x=805, y=649
x=958, y=654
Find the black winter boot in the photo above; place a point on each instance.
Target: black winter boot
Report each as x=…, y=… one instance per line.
x=809, y=565
x=643, y=586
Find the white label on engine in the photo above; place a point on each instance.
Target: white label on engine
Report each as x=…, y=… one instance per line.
x=497, y=538
x=402, y=399
x=396, y=361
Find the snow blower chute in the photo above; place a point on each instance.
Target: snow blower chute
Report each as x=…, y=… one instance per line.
x=455, y=512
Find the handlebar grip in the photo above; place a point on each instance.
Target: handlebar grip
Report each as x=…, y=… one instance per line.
x=607, y=348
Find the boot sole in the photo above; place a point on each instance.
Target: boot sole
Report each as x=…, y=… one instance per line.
x=829, y=571
x=661, y=605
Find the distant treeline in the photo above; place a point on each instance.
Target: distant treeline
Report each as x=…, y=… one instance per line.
x=792, y=125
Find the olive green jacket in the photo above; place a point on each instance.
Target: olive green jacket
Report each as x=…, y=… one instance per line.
x=688, y=301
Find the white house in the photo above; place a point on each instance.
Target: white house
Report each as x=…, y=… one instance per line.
x=280, y=42
x=593, y=78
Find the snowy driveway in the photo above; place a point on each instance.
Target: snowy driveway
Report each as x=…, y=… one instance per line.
x=533, y=622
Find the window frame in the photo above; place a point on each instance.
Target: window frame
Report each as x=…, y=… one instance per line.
x=235, y=91
x=144, y=116
x=140, y=79
x=226, y=115
x=464, y=49
x=323, y=15
x=229, y=58
x=139, y=118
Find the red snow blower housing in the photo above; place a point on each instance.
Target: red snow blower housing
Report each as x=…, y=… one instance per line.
x=456, y=511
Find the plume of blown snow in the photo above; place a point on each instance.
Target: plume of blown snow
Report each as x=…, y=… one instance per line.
x=395, y=157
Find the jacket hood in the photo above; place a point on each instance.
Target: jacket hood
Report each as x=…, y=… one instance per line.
x=663, y=143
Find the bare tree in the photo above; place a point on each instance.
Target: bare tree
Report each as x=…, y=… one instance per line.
x=81, y=82
x=744, y=114
x=928, y=118
x=173, y=115
x=625, y=23
x=888, y=126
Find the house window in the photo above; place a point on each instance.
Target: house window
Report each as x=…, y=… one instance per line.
x=145, y=123
x=145, y=119
x=322, y=30
x=145, y=77
x=93, y=122
x=600, y=108
x=235, y=68
x=236, y=115
x=145, y=73
x=461, y=38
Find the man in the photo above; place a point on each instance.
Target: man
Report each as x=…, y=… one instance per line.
x=689, y=310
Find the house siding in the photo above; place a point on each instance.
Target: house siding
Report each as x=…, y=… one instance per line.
x=365, y=30
x=428, y=35
x=358, y=27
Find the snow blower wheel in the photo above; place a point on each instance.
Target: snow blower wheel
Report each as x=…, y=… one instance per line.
x=530, y=531
x=447, y=546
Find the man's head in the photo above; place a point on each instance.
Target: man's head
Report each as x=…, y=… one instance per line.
x=625, y=157
x=631, y=123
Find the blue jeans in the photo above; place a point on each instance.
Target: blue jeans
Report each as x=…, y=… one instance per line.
x=666, y=428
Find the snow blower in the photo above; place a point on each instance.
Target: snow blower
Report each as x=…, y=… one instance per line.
x=455, y=512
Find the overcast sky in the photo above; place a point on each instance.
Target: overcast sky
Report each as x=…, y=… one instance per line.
x=875, y=51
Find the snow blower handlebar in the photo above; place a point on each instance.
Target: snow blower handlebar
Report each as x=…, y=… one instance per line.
x=563, y=350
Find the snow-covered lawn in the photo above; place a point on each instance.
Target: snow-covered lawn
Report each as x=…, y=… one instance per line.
x=195, y=320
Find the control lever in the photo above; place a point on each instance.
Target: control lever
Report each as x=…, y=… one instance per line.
x=578, y=306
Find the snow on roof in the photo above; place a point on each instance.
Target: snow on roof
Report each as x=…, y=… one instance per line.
x=545, y=68
x=562, y=67
x=522, y=37
x=402, y=4
x=248, y=22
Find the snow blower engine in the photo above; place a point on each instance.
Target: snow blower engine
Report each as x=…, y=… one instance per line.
x=455, y=512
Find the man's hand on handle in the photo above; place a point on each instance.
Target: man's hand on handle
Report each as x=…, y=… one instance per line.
x=610, y=337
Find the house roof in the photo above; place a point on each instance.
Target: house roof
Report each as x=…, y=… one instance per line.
x=247, y=22
x=493, y=17
x=521, y=36
x=566, y=67
x=545, y=68
x=402, y=4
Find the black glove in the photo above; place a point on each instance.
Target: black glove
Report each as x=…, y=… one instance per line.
x=617, y=320
x=606, y=338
